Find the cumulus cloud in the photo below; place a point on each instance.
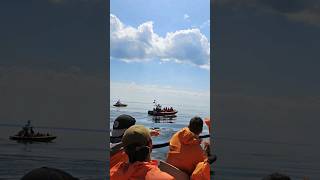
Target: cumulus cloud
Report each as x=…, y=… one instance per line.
x=141, y=44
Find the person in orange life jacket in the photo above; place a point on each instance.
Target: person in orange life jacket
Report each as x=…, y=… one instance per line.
x=138, y=146
x=206, y=143
x=202, y=170
x=185, y=150
x=120, y=124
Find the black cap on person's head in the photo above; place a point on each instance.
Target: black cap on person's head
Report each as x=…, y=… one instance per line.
x=46, y=173
x=120, y=124
x=276, y=176
x=196, y=125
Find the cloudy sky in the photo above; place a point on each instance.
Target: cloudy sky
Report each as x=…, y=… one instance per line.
x=160, y=43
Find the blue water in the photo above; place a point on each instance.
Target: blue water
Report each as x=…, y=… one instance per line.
x=253, y=158
x=168, y=126
x=79, y=152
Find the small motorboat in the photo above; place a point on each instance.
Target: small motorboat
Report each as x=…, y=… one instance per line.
x=158, y=111
x=119, y=104
x=28, y=135
x=43, y=138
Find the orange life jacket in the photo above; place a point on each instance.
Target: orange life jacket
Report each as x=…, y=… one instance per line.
x=202, y=171
x=185, y=151
x=138, y=171
x=120, y=156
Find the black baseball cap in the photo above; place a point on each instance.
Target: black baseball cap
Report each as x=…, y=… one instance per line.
x=120, y=124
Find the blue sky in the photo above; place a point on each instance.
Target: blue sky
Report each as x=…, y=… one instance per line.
x=179, y=60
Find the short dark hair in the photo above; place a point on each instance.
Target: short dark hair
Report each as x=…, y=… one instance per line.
x=196, y=125
x=137, y=155
x=276, y=176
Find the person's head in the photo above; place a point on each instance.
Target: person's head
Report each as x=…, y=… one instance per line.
x=137, y=143
x=276, y=176
x=45, y=173
x=120, y=124
x=196, y=125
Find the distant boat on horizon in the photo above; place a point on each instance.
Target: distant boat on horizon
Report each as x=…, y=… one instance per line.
x=28, y=135
x=119, y=104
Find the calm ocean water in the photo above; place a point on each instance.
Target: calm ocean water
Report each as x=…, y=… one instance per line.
x=243, y=157
x=79, y=152
x=168, y=126
x=253, y=158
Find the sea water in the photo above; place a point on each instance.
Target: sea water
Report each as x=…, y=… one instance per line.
x=167, y=125
x=79, y=152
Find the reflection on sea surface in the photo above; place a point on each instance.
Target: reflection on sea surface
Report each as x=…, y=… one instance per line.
x=164, y=119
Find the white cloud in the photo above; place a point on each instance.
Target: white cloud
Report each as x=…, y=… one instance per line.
x=186, y=17
x=140, y=44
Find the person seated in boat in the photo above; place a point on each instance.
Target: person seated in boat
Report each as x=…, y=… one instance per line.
x=171, y=109
x=158, y=107
x=31, y=131
x=26, y=128
x=186, y=142
x=120, y=124
x=138, y=147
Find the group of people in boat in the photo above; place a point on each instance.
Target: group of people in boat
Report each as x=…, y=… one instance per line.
x=165, y=109
x=133, y=158
x=27, y=131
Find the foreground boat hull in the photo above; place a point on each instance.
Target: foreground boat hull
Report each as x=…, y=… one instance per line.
x=120, y=105
x=153, y=113
x=37, y=139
